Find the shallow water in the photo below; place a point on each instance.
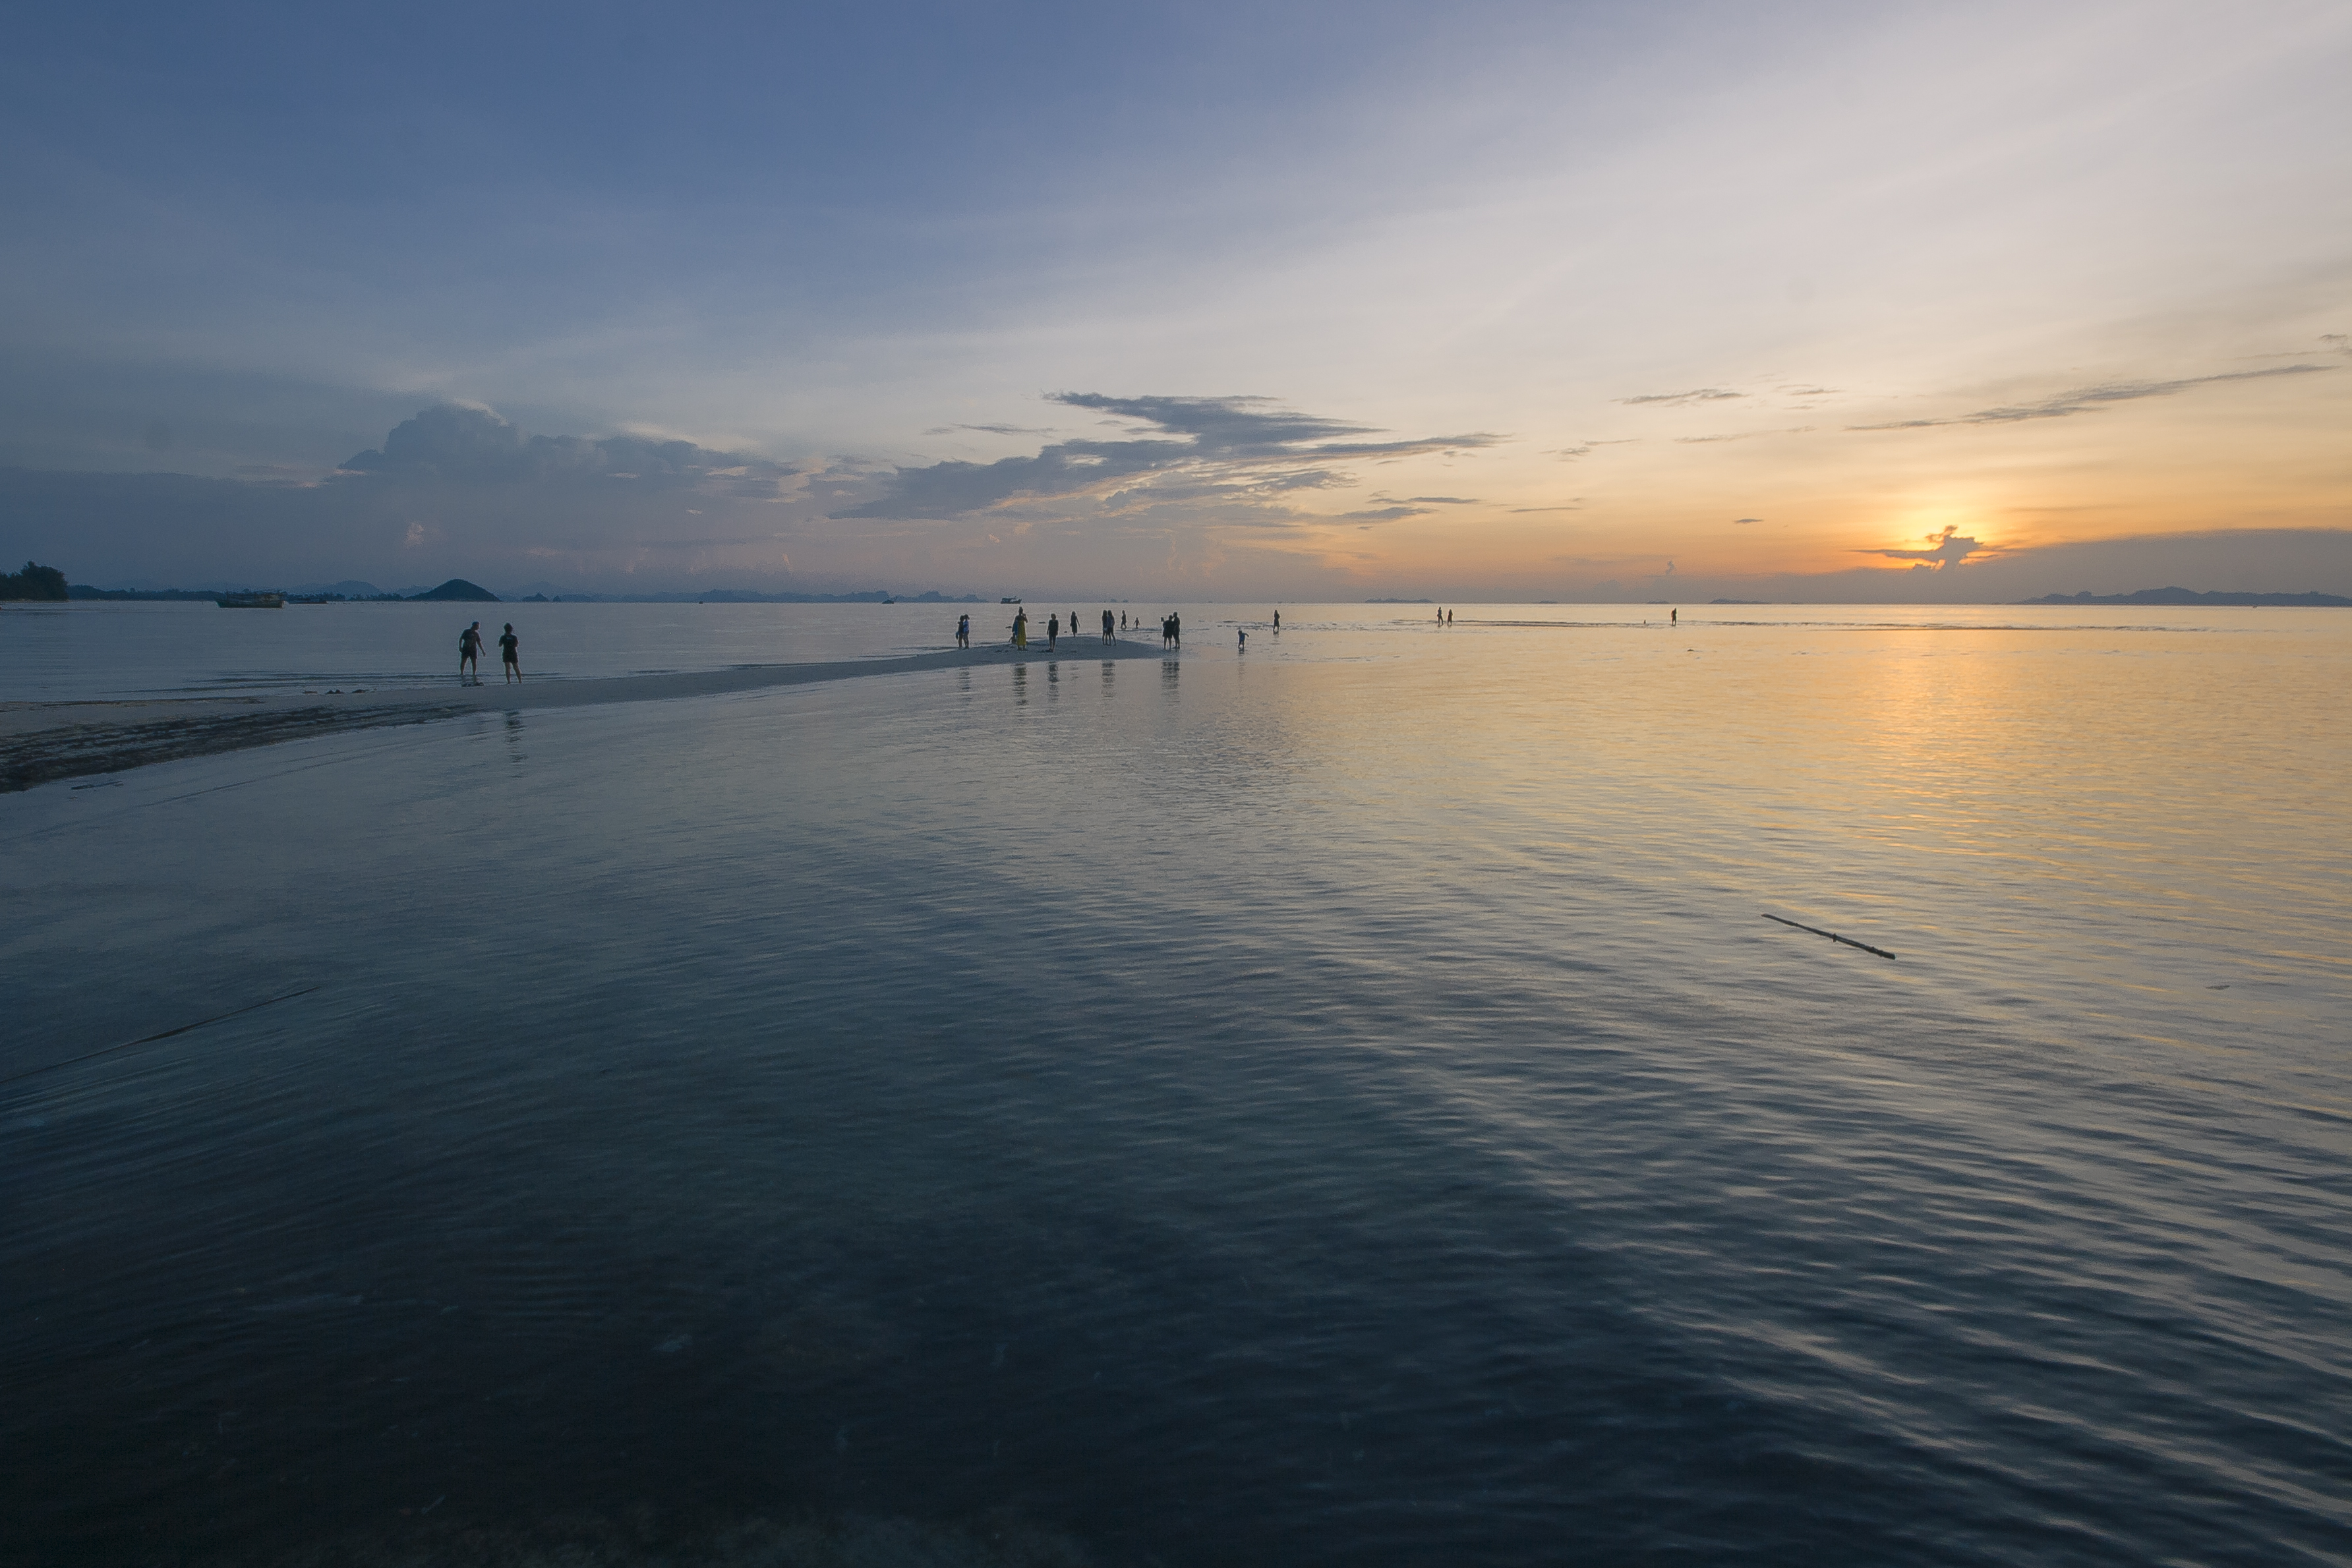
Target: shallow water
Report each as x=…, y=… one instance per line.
x=1338, y=1103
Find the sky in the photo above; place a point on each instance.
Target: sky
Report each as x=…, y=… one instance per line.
x=1845, y=302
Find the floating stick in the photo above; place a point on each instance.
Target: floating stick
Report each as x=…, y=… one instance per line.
x=152, y=1038
x=1835, y=936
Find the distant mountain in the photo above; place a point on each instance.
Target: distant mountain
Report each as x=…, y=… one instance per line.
x=458, y=587
x=2190, y=596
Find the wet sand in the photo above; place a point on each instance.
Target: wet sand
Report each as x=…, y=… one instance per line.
x=42, y=742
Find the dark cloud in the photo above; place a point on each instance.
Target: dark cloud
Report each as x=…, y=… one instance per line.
x=1445, y=501
x=2089, y=400
x=1737, y=522
x=1947, y=549
x=1675, y=400
x=1384, y=514
x=1240, y=451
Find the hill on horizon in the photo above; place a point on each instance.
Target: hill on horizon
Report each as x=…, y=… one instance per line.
x=458, y=587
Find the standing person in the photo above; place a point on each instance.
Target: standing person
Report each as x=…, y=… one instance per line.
x=963, y=631
x=469, y=654
x=1176, y=628
x=1021, y=628
x=510, y=651
x=1053, y=631
x=1244, y=632
x=1278, y=623
x=1675, y=617
x=1106, y=626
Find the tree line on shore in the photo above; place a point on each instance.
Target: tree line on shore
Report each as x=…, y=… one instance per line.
x=33, y=582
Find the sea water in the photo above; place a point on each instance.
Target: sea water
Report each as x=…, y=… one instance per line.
x=1335, y=1103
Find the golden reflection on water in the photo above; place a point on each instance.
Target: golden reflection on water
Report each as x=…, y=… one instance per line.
x=2140, y=819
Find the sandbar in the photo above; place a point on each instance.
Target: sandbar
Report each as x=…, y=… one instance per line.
x=42, y=742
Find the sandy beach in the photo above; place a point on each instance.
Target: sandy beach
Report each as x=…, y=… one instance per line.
x=42, y=742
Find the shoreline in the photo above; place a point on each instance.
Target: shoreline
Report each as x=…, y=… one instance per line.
x=41, y=743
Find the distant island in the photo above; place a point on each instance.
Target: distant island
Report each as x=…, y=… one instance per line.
x=2190, y=596
x=457, y=588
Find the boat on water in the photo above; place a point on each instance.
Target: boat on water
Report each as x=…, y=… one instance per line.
x=267, y=600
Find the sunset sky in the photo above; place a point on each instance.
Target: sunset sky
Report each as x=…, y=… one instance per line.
x=1211, y=301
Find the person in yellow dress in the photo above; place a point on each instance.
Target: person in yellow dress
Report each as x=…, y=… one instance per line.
x=1021, y=628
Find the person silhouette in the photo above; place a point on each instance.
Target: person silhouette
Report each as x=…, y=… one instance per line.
x=963, y=631
x=469, y=654
x=1106, y=637
x=1242, y=632
x=1278, y=623
x=1021, y=628
x=510, y=654
x=1053, y=631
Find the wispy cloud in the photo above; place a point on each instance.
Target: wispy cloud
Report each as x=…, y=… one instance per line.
x=1740, y=435
x=993, y=429
x=1239, y=450
x=2090, y=398
x=1675, y=400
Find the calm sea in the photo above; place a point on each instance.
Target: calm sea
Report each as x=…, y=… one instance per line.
x=1335, y=1103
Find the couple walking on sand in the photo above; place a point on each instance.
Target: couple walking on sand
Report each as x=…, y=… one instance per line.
x=469, y=652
